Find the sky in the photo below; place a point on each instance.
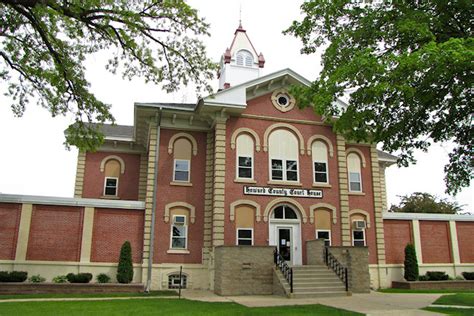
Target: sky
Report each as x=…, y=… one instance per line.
x=34, y=161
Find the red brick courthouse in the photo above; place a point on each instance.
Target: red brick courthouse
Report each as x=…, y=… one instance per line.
x=209, y=186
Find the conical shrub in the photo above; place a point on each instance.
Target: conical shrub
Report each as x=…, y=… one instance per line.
x=411, y=264
x=125, y=265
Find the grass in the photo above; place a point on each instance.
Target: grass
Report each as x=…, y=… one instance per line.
x=159, y=306
x=462, y=299
x=404, y=291
x=450, y=311
x=88, y=295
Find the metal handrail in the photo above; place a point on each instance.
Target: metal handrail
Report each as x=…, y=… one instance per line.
x=285, y=269
x=337, y=267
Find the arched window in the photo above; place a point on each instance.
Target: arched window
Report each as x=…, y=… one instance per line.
x=319, y=152
x=244, y=222
x=353, y=168
x=245, y=149
x=182, y=160
x=244, y=58
x=323, y=225
x=284, y=212
x=112, y=173
x=283, y=155
x=359, y=224
x=179, y=230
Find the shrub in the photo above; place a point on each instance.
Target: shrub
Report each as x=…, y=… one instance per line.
x=79, y=278
x=423, y=278
x=459, y=278
x=13, y=276
x=60, y=279
x=468, y=275
x=410, y=263
x=125, y=265
x=36, y=279
x=437, y=275
x=103, y=278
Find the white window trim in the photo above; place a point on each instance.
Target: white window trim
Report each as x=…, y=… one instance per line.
x=237, y=168
x=237, y=235
x=324, y=230
x=349, y=178
x=360, y=230
x=189, y=171
x=185, y=230
x=284, y=170
x=327, y=172
x=116, y=187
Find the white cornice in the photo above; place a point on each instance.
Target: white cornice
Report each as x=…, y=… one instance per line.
x=54, y=200
x=428, y=216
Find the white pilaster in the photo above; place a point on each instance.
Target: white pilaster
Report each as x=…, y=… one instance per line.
x=417, y=240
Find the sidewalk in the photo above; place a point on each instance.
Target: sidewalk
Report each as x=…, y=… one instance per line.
x=371, y=304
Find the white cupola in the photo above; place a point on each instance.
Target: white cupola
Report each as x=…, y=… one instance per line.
x=239, y=63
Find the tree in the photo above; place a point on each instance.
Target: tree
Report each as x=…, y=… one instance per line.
x=408, y=68
x=410, y=263
x=44, y=43
x=419, y=202
x=125, y=265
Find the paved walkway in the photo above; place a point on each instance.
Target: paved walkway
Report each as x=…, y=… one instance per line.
x=374, y=303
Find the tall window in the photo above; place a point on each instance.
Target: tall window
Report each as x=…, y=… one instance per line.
x=358, y=237
x=244, y=222
x=112, y=174
x=320, y=162
x=182, y=160
x=245, y=149
x=244, y=58
x=283, y=153
x=323, y=225
x=179, y=232
x=355, y=179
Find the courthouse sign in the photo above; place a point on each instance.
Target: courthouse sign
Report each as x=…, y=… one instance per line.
x=290, y=192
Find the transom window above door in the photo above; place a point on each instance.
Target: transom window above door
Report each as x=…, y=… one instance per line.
x=284, y=212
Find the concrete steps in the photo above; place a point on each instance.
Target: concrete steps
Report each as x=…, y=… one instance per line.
x=314, y=281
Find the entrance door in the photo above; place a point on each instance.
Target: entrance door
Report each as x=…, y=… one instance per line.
x=285, y=242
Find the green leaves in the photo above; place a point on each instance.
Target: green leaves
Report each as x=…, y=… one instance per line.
x=43, y=45
x=408, y=69
x=425, y=203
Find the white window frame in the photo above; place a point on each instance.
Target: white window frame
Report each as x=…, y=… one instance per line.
x=237, y=236
x=238, y=167
x=284, y=170
x=353, y=240
x=185, y=232
x=188, y=171
x=360, y=181
x=314, y=172
x=175, y=277
x=116, y=186
x=324, y=231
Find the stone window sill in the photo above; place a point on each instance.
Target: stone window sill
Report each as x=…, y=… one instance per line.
x=287, y=183
x=110, y=197
x=182, y=184
x=356, y=193
x=321, y=185
x=240, y=180
x=178, y=251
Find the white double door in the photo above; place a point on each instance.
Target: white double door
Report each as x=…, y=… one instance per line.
x=286, y=236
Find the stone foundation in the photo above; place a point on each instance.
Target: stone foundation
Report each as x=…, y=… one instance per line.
x=47, y=288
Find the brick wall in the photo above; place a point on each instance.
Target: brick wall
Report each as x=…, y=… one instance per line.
x=9, y=222
x=435, y=242
x=466, y=241
x=94, y=179
x=55, y=233
x=167, y=193
x=111, y=229
x=397, y=235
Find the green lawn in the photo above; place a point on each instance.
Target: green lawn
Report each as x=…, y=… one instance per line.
x=158, y=306
x=403, y=291
x=451, y=311
x=88, y=295
x=463, y=299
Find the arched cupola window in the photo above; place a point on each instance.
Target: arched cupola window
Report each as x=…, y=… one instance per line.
x=244, y=58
